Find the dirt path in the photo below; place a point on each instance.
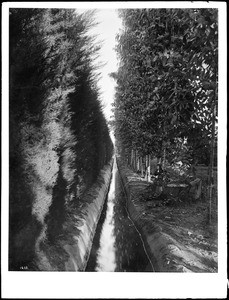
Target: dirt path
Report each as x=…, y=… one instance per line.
x=179, y=237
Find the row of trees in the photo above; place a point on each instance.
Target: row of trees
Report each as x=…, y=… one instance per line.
x=59, y=138
x=166, y=95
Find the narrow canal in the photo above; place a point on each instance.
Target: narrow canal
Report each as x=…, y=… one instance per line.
x=117, y=245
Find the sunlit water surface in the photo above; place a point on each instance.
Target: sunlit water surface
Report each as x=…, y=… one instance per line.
x=117, y=245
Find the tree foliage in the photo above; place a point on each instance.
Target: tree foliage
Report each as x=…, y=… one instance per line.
x=167, y=80
x=59, y=139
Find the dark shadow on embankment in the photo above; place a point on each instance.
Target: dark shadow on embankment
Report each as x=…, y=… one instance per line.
x=56, y=215
x=91, y=264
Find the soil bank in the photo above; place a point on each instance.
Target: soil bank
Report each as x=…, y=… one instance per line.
x=166, y=244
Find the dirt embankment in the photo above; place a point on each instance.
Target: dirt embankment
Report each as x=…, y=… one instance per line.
x=177, y=239
x=71, y=250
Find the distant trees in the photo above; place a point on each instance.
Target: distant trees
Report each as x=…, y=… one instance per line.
x=59, y=139
x=167, y=83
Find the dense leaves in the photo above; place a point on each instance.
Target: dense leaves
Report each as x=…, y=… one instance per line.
x=59, y=139
x=167, y=81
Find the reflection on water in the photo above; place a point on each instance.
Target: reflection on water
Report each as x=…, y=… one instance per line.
x=117, y=245
x=106, y=253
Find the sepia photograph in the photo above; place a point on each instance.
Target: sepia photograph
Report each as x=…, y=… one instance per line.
x=116, y=147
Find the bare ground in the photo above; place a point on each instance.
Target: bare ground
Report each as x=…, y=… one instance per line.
x=179, y=236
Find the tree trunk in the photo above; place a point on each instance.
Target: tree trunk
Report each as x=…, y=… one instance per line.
x=146, y=166
x=211, y=166
x=148, y=169
x=129, y=158
x=147, y=173
x=135, y=160
x=141, y=167
x=164, y=155
x=132, y=159
x=138, y=163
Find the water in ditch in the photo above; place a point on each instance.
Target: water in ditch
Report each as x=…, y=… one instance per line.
x=117, y=245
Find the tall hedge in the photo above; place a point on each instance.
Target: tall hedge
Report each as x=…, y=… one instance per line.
x=59, y=138
x=167, y=81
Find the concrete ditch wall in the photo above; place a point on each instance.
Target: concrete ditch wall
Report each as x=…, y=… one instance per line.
x=135, y=212
x=159, y=245
x=79, y=253
x=73, y=250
